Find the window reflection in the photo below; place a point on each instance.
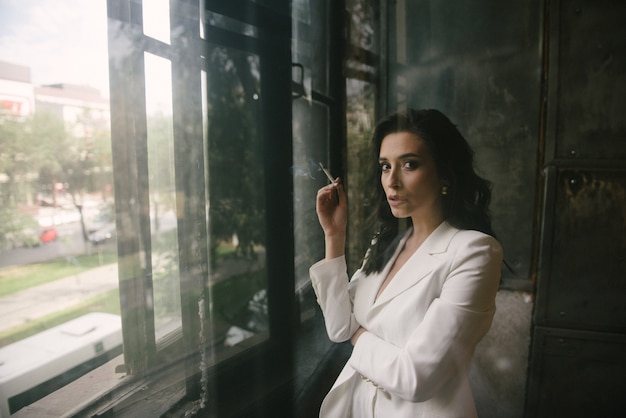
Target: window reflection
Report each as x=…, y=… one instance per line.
x=237, y=225
x=313, y=113
x=362, y=100
x=310, y=130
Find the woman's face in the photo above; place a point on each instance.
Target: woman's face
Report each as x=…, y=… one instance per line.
x=409, y=177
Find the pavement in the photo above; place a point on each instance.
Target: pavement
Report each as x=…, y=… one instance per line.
x=36, y=302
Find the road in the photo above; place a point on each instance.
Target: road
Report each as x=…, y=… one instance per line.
x=69, y=242
x=36, y=302
x=66, y=221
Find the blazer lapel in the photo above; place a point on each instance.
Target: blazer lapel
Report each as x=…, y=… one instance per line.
x=418, y=266
x=368, y=288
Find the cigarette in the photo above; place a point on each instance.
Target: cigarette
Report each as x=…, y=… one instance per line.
x=325, y=170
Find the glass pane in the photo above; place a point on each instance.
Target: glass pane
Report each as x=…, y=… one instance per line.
x=156, y=19
x=163, y=225
x=310, y=43
x=237, y=226
x=310, y=139
x=311, y=136
x=360, y=119
x=58, y=258
x=224, y=22
x=362, y=100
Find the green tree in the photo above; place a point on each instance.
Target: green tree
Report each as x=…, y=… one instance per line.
x=39, y=152
x=25, y=147
x=161, y=166
x=80, y=167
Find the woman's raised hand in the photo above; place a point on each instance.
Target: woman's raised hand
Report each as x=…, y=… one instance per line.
x=332, y=212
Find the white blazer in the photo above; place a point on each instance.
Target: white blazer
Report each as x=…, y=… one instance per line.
x=421, y=331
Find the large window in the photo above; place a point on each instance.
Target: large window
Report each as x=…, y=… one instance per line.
x=199, y=138
x=168, y=174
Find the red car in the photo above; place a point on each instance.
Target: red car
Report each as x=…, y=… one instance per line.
x=48, y=235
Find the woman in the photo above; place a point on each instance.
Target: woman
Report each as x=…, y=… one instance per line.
x=423, y=298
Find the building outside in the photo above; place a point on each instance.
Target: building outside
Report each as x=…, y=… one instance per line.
x=17, y=94
x=82, y=108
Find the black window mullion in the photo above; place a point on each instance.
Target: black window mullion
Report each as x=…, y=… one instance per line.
x=276, y=78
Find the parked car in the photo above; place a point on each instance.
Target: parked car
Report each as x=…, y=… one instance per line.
x=104, y=218
x=103, y=235
x=48, y=234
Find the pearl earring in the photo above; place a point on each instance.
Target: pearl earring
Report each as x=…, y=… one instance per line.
x=444, y=190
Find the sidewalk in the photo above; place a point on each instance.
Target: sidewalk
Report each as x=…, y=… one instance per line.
x=36, y=302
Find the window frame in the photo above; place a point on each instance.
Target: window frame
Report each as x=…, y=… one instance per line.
x=129, y=141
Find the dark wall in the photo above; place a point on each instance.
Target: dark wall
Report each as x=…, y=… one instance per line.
x=480, y=63
x=588, y=81
x=577, y=362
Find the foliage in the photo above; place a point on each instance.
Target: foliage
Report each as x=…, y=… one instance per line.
x=161, y=166
x=362, y=97
x=165, y=274
x=41, y=151
x=27, y=146
x=15, y=227
x=230, y=297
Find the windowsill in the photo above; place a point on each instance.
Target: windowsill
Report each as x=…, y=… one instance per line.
x=78, y=395
x=103, y=391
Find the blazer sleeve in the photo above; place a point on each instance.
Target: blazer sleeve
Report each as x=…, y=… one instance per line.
x=335, y=295
x=443, y=344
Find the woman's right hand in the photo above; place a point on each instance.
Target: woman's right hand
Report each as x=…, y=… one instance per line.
x=332, y=212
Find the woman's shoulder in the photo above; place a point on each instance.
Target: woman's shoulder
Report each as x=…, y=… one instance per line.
x=474, y=247
x=470, y=237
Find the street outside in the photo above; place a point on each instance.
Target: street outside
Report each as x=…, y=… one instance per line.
x=69, y=242
x=39, y=301
x=36, y=302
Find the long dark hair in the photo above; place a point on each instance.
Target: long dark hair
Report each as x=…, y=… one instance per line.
x=466, y=204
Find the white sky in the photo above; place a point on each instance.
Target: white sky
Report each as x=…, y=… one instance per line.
x=62, y=41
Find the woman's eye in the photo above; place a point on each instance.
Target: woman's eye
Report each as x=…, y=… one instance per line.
x=385, y=167
x=410, y=165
